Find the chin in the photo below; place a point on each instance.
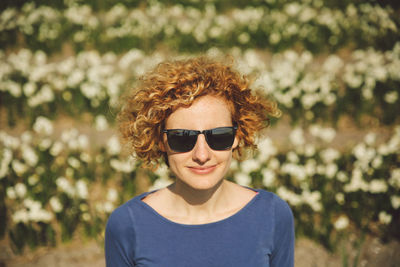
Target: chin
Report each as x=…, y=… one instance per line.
x=202, y=182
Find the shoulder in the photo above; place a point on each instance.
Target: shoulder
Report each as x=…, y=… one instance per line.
x=120, y=235
x=273, y=203
x=123, y=217
x=270, y=198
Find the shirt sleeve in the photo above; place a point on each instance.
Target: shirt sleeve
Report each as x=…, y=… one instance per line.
x=119, y=240
x=283, y=251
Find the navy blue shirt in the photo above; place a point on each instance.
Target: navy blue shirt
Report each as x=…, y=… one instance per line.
x=260, y=234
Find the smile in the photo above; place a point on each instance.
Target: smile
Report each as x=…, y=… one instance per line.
x=202, y=170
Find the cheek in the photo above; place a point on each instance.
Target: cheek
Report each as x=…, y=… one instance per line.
x=224, y=157
x=175, y=160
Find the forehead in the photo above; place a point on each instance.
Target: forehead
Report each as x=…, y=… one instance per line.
x=206, y=112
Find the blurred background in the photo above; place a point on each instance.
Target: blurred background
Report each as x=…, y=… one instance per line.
x=334, y=155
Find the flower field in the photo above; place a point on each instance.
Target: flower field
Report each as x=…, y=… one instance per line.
x=331, y=66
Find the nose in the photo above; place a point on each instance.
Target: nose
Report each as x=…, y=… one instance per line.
x=201, y=152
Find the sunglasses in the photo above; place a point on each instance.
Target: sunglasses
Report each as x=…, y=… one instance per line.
x=182, y=140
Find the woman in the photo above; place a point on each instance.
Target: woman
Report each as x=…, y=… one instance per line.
x=197, y=114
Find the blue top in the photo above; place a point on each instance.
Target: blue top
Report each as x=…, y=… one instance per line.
x=260, y=234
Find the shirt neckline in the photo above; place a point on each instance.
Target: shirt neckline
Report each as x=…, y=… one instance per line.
x=227, y=219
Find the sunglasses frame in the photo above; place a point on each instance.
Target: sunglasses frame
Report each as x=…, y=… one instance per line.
x=196, y=133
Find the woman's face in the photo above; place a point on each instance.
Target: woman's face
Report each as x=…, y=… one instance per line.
x=201, y=168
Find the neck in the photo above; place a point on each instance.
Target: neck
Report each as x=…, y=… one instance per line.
x=196, y=204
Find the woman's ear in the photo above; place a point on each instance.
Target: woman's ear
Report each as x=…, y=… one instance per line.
x=235, y=142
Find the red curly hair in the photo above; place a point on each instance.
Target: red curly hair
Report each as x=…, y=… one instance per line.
x=174, y=84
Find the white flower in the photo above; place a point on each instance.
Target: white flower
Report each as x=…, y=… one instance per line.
x=309, y=150
x=331, y=170
x=75, y=163
x=342, y=176
x=160, y=183
x=292, y=9
x=11, y=194
x=329, y=155
x=244, y=38
x=310, y=167
x=29, y=155
x=378, y=186
x=377, y=162
x=269, y=177
x=37, y=214
x=113, y=146
x=69, y=134
x=75, y=78
x=130, y=57
x=43, y=126
x=384, y=217
x=14, y=88
x=312, y=199
x=294, y=170
x=4, y=162
x=101, y=123
x=274, y=37
x=85, y=157
x=90, y=90
x=249, y=165
x=57, y=148
x=391, y=97
x=341, y=223
x=297, y=137
x=65, y=186
x=367, y=93
x=370, y=139
x=309, y=100
x=19, y=167
x=44, y=95
x=332, y=64
x=364, y=154
x=9, y=141
x=289, y=196
x=395, y=200
x=163, y=171
x=86, y=217
x=242, y=178
x=325, y=134
x=274, y=164
x=395, y=178
x=55, y=204
x=33, y=179
x=29, y=88
x=340, y=198
x=123, y=166
x=292, y=157
x=356, y=183
x=112, y=195
x=108, y=207
x=20, y=216
x=81, y=189
x=266, y=149
x=83, y=142
x=26, y=137
x=45, y=144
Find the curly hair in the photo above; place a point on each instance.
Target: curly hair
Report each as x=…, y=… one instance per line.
x=174, y=84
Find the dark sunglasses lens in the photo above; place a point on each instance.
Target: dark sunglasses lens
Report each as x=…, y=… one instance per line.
x=181, y=140
x=221, y=138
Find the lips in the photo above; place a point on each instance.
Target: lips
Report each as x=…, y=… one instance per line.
x=203, y=169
